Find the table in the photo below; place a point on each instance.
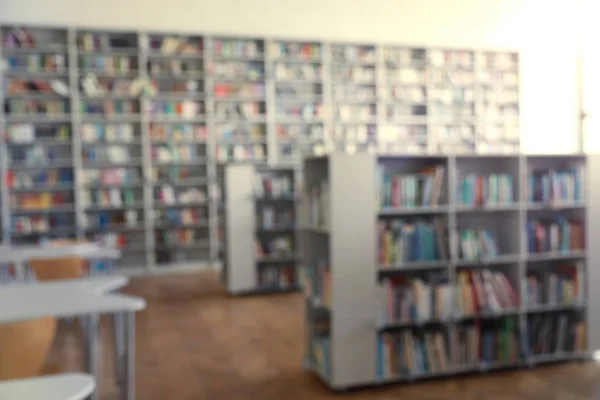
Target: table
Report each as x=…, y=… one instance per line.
x=64, y=299
x=20, y=254
x=55, y=387
x=94, y=284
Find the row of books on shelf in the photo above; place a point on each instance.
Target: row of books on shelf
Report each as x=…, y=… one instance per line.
x=414, y=300
x=411, y=190
x=272, y=218
x=277, y=277
x=273, y=186
x=401, y=241
x=282, y=246
x=317, y=203
x=555, y=186
x=316, y=279
x=565, y=285
x=560, y=235
x=494, y=189
x=410, y=353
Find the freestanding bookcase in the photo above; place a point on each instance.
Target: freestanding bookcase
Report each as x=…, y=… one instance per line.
x=431, y=266
x=261, y=254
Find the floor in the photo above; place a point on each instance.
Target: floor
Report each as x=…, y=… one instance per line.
x=196, y=343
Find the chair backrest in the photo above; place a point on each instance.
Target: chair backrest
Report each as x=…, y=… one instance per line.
x=58, y=268
x=24, y=347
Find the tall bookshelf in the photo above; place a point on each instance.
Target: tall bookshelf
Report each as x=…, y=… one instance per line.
x=449, y=265
x=134, y=124
x=261, y=253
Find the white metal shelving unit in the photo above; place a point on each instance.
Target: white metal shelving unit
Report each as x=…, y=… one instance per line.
x=250, y=100
x=342, y=262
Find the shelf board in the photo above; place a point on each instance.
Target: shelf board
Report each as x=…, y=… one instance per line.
x=393, y=211
x=276, y=259
x=488, y=208
x=276, y=229
x=101, y=208
x=551, y=256
x=392, y=326
x=484, y=262
x=70, y=208
x=180, y=205
x=554, y=307
x=314, y=229
x=412, y=266
x=556, y=206
x=489, y=315
x=55, y=188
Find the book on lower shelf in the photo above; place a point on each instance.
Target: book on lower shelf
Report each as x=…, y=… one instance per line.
x=485, y=292
x=488, y=343
x=563, y=285
x=478, y=244
x=412, y=300
x=317, y=284
x=412, y=352
x=556, y=333
x=277, y=277
x=559, y=235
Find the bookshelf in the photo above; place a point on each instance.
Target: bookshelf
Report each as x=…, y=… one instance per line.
x=459, y=264
x=134, y=124
x=261, y=254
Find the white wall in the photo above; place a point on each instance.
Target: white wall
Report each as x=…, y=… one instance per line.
x=544, y=31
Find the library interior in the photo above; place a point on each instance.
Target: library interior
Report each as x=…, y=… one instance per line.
x=308, y=200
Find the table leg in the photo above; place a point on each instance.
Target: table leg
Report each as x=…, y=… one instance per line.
x=19, y=271
x=130, y=356
x=93, y=353
x=119, y=336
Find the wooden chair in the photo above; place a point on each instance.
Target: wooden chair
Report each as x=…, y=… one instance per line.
x=24, y=346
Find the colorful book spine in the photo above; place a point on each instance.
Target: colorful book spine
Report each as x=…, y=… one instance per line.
x=484, y=292
x=565, y=285
x=476, y=244
x=488, y=345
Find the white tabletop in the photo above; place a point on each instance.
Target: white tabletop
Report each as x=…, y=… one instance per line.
x=25, y=302
x=55, y=387
x=95, y=284
x=22, y=253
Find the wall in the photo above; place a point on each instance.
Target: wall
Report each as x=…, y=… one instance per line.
x=543, y=30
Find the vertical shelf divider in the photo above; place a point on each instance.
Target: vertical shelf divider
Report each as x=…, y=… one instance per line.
x=76, y=138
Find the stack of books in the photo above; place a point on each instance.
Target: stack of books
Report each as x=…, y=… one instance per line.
x=552, y=186
x=476, y=244
x=495, y=189
x=423, y=189
x=561, y=286
x=488, y=344
x=555, y=333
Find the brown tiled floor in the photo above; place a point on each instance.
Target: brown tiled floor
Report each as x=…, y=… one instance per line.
x=196, y=343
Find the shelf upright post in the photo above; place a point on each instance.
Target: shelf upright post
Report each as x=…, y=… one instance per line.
x=453, y=235
x=327, y=86
x=4, y=193
x=147, y=176
x=76, y=138
x=380, y=85
x=433, y=144
x=272, y=153
x=214, y=198
x=522, y=273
